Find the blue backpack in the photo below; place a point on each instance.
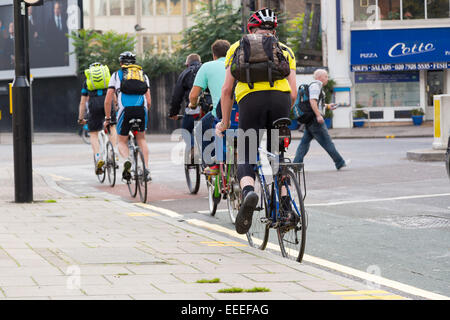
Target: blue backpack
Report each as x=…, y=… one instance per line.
x=302, y=110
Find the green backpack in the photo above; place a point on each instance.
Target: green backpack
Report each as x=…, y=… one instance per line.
x=97, y=76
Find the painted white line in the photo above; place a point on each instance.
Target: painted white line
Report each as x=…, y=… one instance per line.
x=377, y=200
x=207, y=211
x=166, y=212
x=318, y=261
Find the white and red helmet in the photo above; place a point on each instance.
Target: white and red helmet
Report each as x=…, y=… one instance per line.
x=264, y=18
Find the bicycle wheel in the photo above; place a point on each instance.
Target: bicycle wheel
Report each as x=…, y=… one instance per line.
x=141, y=180
x=447, y=159
x=102, y=176
x=132, y=184
x=213, y=200
x=258, y=234
x=234, y=193
x=110, y=164
x=292, y=236
x=192, y=172
x=85, y=136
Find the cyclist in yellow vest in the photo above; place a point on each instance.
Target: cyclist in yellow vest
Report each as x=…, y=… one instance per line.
x=260, y=104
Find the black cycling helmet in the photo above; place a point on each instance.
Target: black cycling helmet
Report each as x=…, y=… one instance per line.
x=127, y=57
x=264, y=18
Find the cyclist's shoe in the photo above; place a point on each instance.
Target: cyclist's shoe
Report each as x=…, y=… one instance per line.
x=212, y=170
x=99, y=167
x=245, y=214
x=126, y=173
x=148, y=177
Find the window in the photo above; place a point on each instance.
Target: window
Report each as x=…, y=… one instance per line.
x=413, y=9
x=193, y=5
x=162, y=43
x=175, y=7
x=128, y=7
x=114, y=7
x=100, y=9
x=437, y=9
x=364, y=9
x=161, y=7
x=86, y=8
x=176, y=41
x=387, y=89
x=389, y=9
x=147, y=7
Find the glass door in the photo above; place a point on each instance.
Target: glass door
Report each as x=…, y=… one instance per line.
x=435, y=84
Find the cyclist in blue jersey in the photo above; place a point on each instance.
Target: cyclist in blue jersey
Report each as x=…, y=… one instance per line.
x=132, y=105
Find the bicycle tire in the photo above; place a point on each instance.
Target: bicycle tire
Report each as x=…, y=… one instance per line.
x=192, y=173
x=234, y=193
x=212, y=200
x=447, y=159
x=102, y=176
x=111, y=164
x=288, y=236
x=258, y=234
x=141, y=180
x=85, y=136
x=132, y=184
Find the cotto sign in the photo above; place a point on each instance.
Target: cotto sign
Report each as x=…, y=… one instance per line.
x=426, y=45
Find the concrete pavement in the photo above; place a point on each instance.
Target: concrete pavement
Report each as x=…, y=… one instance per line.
x=68, y=246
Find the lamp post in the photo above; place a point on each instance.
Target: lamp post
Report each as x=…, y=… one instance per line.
x=22, y=133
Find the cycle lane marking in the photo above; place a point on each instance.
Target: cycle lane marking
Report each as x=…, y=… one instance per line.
x=337, y=203
x=315, y=260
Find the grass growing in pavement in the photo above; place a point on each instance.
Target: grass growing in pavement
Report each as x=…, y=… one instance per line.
x=50, y=201
x=239, y=290
x=215, y=280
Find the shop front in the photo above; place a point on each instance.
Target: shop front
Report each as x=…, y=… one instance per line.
x=397, y=70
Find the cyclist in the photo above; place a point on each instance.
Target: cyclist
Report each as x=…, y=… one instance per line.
x=180, y=95
x=260, y=104
x=211, y=75
x=133, y=104
x=92, y=103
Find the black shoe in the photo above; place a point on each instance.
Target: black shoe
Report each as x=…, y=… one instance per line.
x=245, y=214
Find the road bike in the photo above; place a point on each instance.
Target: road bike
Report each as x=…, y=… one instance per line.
x=108, y=156
x=281, y=202
x=83, y=132
x=138, y=180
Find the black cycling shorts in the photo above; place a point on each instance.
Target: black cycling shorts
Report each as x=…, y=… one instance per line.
x=258, y=110
x=128, y=113
x=96, y=113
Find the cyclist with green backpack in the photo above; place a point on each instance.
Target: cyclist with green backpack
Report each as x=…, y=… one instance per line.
x=92, y=103
x=132, y=89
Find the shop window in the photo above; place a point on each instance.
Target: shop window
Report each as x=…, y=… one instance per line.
x=387, y=89
x=364, y=9
x=437, y=9
x=161, y=7
x=114, y=7
x=128, y=7
x=389, y=9
x=193, y=5
x=100, y=9
x=147, y=7
x=175, y=7
x=413, y=9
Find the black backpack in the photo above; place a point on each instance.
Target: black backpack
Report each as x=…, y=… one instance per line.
x=132, y=80
x=259, y=57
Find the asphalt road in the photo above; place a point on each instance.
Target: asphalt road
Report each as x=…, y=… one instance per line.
x=383, y=214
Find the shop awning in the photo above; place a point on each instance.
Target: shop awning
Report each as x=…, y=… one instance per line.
x=400, y=49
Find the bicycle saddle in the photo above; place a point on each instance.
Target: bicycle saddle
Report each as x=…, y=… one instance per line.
x=282, y=122
x=135, y=121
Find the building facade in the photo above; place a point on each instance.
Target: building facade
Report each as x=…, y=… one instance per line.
x=387, y=56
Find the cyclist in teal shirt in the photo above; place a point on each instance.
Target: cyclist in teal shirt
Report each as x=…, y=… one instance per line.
x=211, y=75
